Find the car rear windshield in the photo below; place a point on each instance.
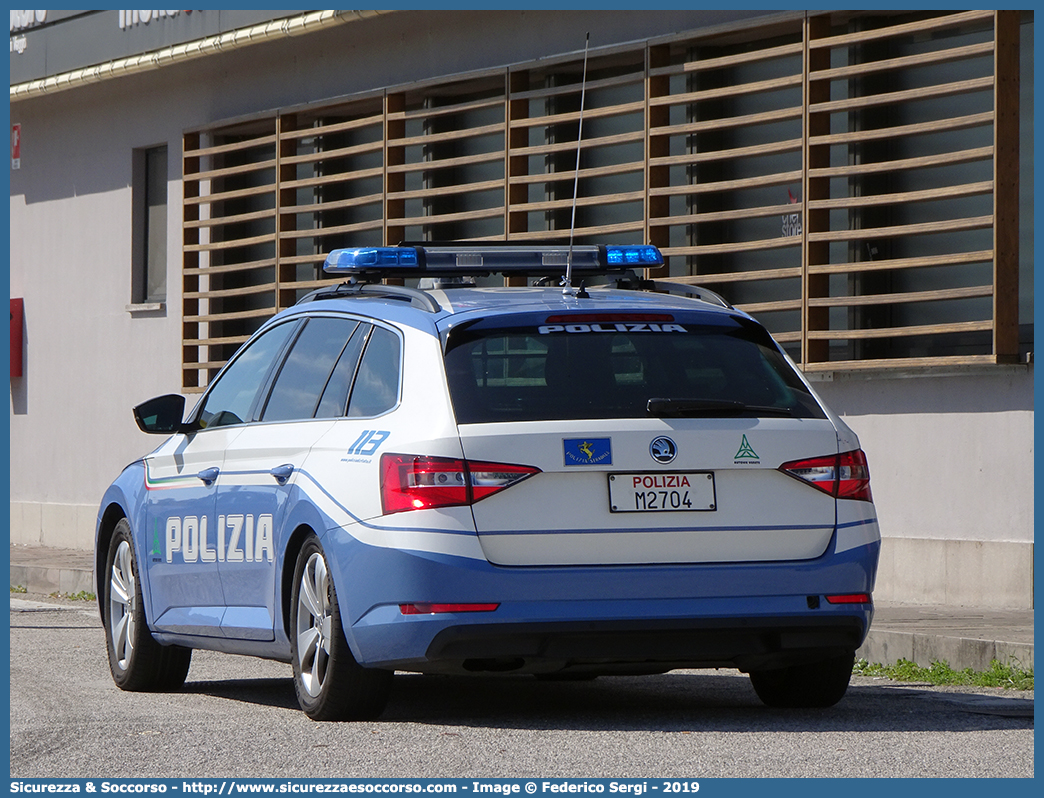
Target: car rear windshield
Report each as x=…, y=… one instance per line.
x=530, y=368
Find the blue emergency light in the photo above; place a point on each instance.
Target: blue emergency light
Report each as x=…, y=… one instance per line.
x=349, y=261
x=479, y=259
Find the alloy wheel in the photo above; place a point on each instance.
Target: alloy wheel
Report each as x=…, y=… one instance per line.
x=314, y=624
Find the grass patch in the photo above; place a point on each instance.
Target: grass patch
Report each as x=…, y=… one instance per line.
x=18, y=589
x=940, y=673
x=83, y=595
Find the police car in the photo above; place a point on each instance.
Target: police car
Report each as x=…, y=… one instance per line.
x=625, y=477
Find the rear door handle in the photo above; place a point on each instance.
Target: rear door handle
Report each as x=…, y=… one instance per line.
x=282, y=473
x=209, y=475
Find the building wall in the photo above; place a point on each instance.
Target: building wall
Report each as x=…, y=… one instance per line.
x=951, y=470
x=87, y=359
x=951, y=455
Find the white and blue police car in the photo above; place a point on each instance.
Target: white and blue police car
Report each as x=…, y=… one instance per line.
x=621, y=478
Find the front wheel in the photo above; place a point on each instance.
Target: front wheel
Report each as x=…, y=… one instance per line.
x=330, y=684
x=137, y=662
x=815, y=684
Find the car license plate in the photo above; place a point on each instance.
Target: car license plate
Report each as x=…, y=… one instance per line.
x=661, y=492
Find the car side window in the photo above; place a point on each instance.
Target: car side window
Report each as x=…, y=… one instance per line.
x=376, y=388
x=307, y=369
x=335, y=396
x=232, y=398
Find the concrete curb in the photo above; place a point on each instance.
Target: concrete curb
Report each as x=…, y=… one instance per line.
x=923, y=648
x=49, y=579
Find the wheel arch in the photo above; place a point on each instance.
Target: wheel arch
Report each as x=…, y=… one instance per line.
x=107, y=521
x=286, y=578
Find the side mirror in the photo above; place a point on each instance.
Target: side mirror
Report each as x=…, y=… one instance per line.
x=162, y=415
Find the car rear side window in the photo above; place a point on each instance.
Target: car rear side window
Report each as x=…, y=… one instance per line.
x=376, y=387
x=307, y=369
x=529, y=372
x=335, y=396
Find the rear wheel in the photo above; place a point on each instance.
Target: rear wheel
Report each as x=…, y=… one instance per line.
x=815, y=684
x=330, y=684
x=137, y=662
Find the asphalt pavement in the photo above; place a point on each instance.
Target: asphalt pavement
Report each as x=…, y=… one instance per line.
x=238, y=718
x=965, y=637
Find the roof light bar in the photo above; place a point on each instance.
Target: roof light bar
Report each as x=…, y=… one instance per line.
x=475, y=260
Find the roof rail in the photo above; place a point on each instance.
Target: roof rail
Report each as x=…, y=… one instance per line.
x=415, y=296
x=633, y=283
x=687, y=289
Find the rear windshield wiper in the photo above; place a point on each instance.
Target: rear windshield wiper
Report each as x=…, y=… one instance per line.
x=693, y=408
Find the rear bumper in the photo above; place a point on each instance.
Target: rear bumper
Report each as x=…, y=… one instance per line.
x=649, y=646
x=629, y=619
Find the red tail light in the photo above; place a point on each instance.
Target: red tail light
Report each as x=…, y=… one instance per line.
x=849, y=598
x=844, y=476
x=582, y=318
x=423, y=608
x=414, y=482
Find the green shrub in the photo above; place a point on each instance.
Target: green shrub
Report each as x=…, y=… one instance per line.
x=997, y=675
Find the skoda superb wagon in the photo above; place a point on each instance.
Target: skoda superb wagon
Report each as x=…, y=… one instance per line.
x=623, y=478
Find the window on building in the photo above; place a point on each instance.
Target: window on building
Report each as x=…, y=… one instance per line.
x=149, y=280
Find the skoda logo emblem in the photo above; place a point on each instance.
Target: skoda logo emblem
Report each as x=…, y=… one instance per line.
x=663, y=450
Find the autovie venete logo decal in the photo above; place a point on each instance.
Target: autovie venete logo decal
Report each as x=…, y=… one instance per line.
x=588, y=451
x=746, y=454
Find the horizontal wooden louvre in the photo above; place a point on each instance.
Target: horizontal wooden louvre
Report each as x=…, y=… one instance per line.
x=445, y=173
x=229, y=242
x=726, y=169
x=901, y=200
x=550, y=107
x=331, y=194
x=850, y=178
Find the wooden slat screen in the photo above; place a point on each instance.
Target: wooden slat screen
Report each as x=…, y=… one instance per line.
x=446, y=161
x=900, y=194
x=726, y=161
x=545, y=123
x=229, y=253
x=849, y=178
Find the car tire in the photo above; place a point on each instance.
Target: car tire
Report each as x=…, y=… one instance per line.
x=330, y=684
x=815, y=684
x=137, y=662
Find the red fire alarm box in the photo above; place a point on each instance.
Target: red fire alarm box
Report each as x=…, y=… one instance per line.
x=16, y=146
x=16, y=337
